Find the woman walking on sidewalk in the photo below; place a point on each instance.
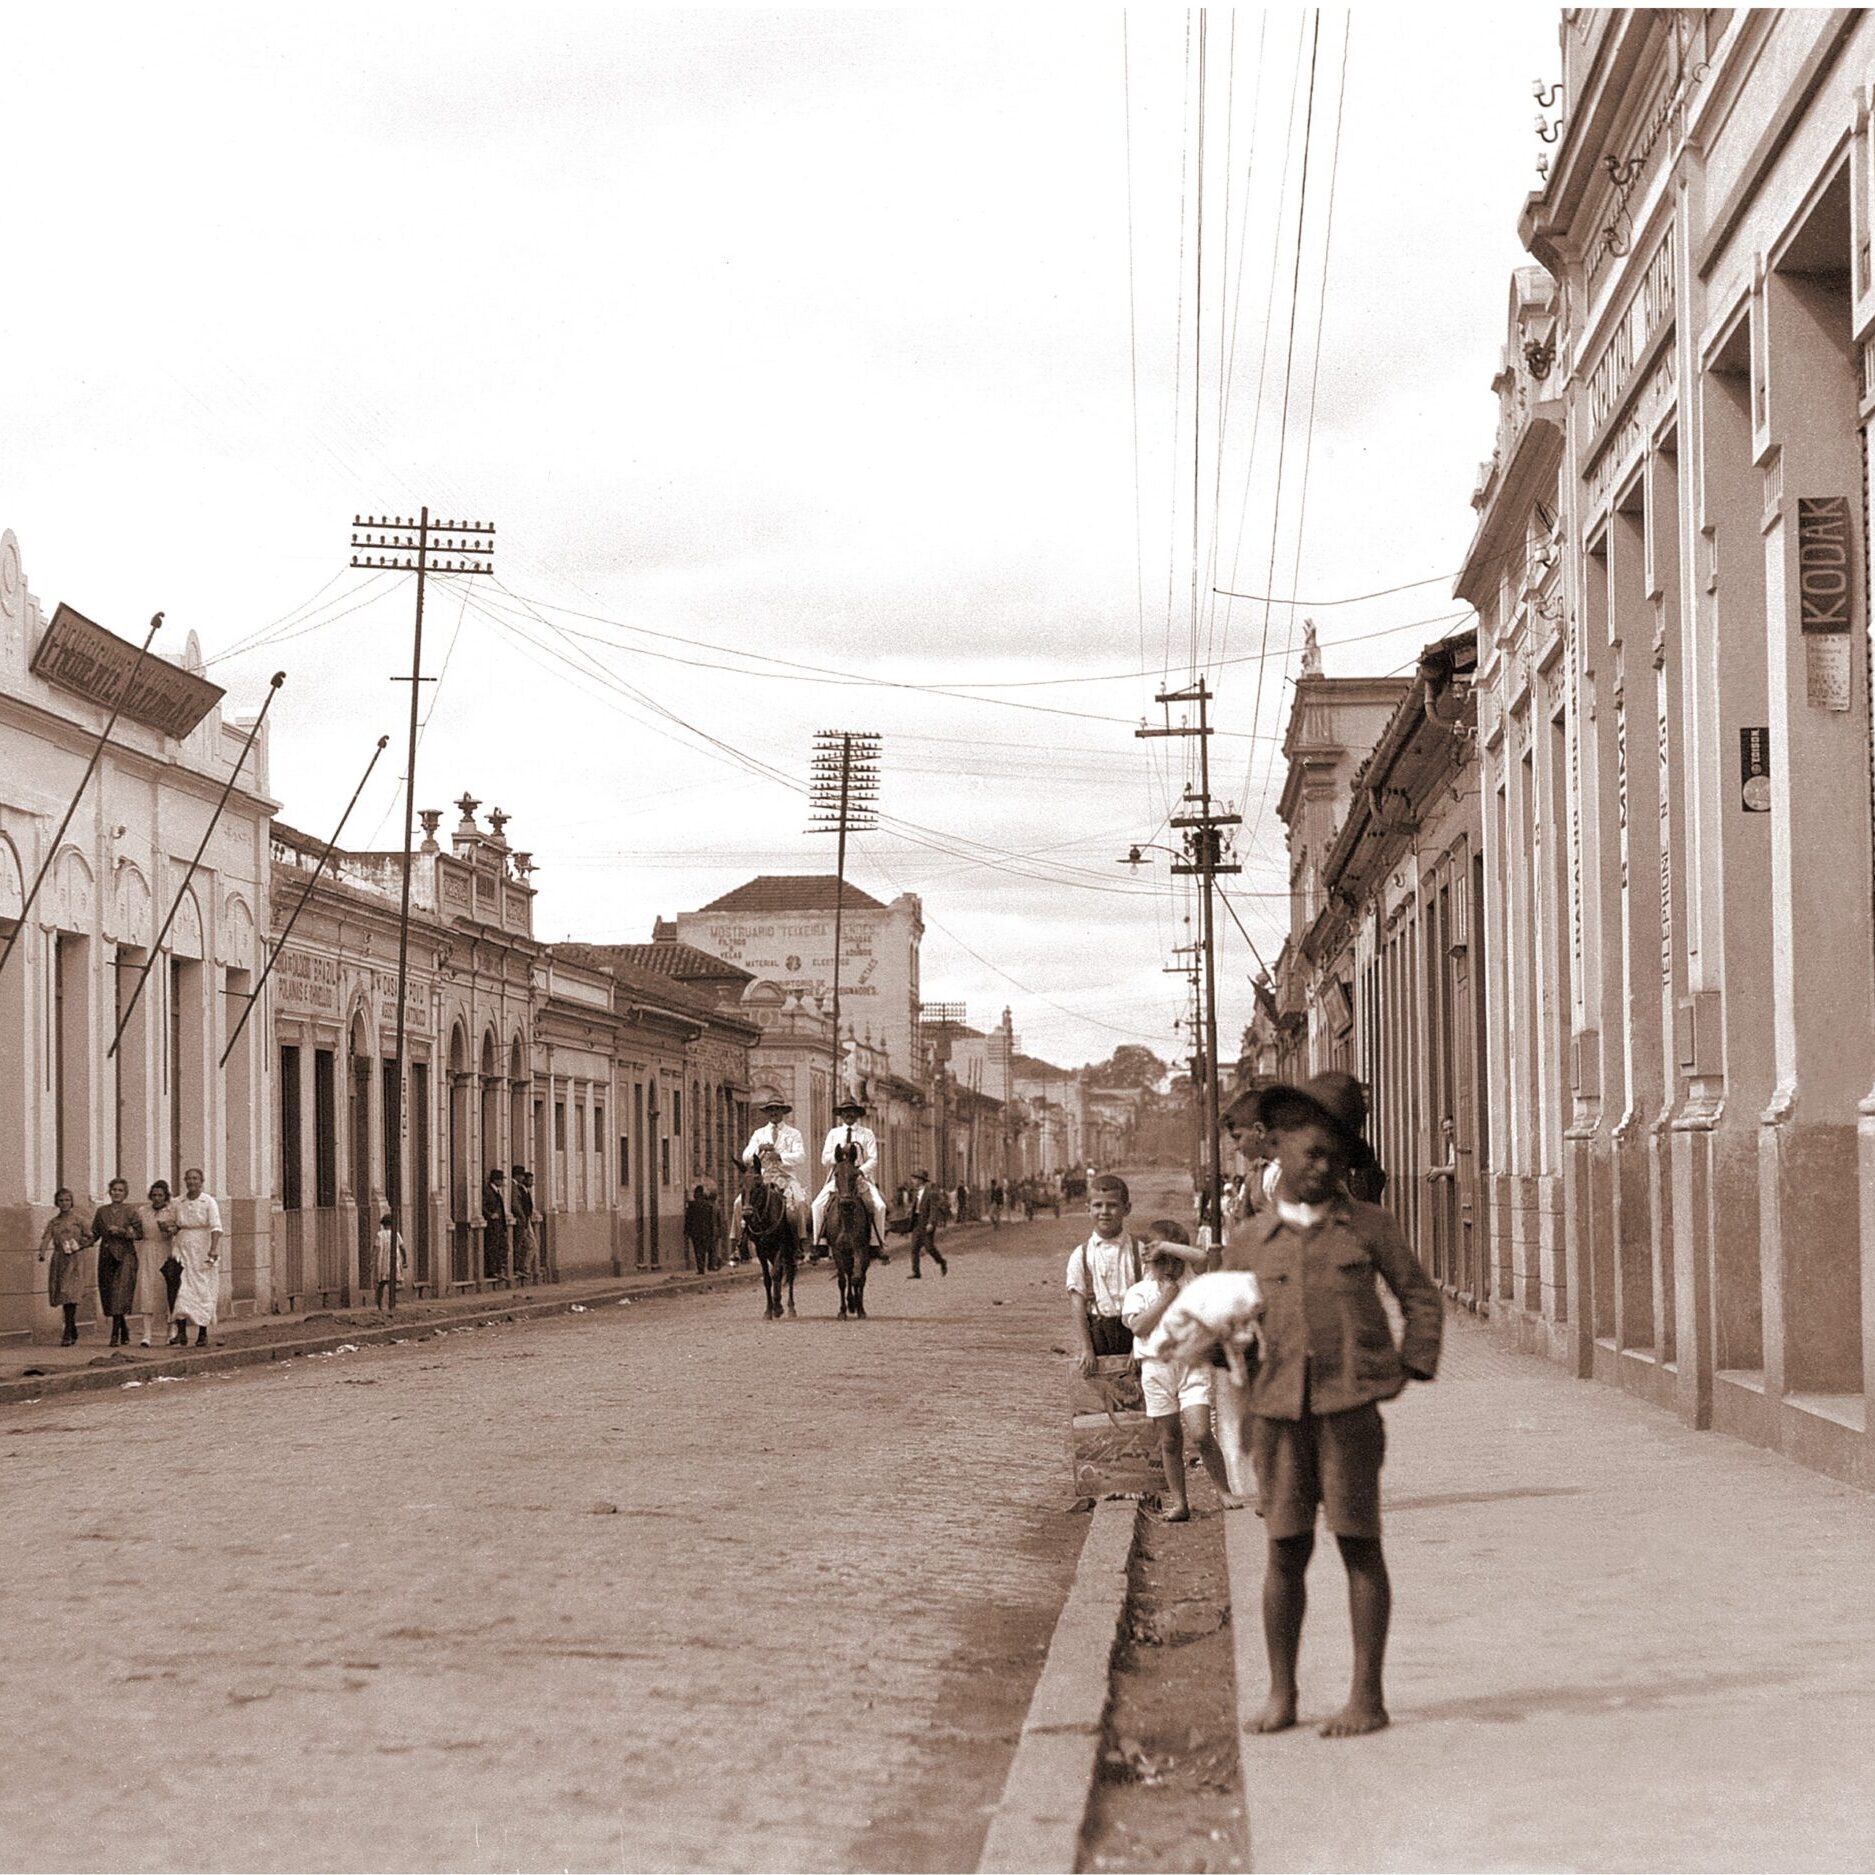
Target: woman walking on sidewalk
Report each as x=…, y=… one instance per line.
x=62, y=1246
x=198, y=1250
x=156, y=1284
x=117, y=1228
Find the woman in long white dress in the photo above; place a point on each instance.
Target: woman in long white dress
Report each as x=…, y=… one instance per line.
x=197, y=1244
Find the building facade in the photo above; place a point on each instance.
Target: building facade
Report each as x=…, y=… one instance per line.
x=779, y=928
x=129, y=972
x=1672, y=574
x=345, y=1155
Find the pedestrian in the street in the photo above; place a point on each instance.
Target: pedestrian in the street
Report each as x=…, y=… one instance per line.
x=963, y=1203
x=118, y=1230
x=1100, y=1272
x=526, y=1233
x=62, y=1247
x=157, y=1283
x=925, y=1204
x=391, y=1252
x=1328, y=1359
x=198, y=1250
x=1177, y=1393
x=494, y=1226
x=996, y=1203
x=700, y=1229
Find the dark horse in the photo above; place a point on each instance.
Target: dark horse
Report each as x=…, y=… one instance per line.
x=849, y=1232
x=768, y=1227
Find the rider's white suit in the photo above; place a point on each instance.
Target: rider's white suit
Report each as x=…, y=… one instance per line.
x=867, y=1141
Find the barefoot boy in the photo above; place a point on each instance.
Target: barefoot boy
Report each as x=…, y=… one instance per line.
x=1314, y=1429
x=1178, y=1396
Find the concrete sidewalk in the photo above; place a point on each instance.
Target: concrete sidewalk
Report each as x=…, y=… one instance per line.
x=1617, y=1644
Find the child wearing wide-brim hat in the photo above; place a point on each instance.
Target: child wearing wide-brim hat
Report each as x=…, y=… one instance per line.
x=1328, y=1359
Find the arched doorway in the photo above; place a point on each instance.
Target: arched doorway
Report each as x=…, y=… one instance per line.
x=494, y=1231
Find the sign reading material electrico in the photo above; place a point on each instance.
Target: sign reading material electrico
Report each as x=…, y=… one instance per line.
x=1825, y=596
x=82, y=657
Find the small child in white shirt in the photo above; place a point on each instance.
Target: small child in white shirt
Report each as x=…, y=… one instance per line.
x=1178, y=1397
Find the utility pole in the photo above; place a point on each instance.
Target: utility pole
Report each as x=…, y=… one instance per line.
x=1204, y=848
x=1192, y=970
x=421, y=547
x=943, y=1017
x=844, y=792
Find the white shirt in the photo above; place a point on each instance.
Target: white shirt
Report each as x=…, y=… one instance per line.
x=1301, y=1216
x=861, y=1136
x=1137, y=1300
x=1103, y=1269
x=786, y=1140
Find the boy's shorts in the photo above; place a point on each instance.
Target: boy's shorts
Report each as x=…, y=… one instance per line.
x=1332, y=1460
x=1171, y=1387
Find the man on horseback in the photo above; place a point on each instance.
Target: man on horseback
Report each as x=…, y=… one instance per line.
x=850, y=1135
x=790, y=1151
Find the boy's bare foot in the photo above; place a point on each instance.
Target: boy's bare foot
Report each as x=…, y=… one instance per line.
x=1356, y=1717
x=1175, y=1513
x=1278, y=1714
x=1229, y=1500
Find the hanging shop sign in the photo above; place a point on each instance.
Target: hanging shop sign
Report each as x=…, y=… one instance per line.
x=1825, y=597
x=84, y=658
x=1754, y=769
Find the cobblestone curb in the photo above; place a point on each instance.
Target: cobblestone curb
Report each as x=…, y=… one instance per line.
x=412, y=1328
x=1038, y=1820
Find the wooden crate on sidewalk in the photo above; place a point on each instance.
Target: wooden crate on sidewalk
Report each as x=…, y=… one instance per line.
x=1110, y=1440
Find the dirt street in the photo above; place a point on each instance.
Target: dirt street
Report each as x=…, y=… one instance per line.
x=641, y=1588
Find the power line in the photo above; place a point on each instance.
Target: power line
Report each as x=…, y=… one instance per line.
x=1282, y=437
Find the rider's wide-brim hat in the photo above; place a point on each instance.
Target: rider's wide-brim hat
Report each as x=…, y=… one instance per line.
x=1333, y=1098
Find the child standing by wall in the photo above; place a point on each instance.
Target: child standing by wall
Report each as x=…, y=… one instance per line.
x=1328, y=1360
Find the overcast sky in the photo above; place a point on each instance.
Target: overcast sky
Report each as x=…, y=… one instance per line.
x=771, y=340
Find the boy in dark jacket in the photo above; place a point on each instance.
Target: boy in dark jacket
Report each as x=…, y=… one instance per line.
x=1328, y=1359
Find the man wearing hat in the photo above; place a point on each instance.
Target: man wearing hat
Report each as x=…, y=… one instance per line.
x=789, y=1147
x=847, y=1134
x=1328, y=1359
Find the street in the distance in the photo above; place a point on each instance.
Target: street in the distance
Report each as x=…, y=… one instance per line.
x=655, y=1586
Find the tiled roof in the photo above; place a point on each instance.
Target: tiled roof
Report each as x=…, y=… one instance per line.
x=793, y=891
x=684, y=962
x=649, y=984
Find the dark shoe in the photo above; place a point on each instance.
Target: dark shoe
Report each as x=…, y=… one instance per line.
x=201, y=1337
x=68, y=1339
x=882, y=1256
x=944, y=1269
x=914, y=1277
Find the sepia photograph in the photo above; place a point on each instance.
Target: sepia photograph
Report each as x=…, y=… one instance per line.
x=937, y=938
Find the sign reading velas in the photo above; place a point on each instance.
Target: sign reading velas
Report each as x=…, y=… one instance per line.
x=79, y=656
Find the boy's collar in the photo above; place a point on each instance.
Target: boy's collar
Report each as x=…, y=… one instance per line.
x=1267, y=1223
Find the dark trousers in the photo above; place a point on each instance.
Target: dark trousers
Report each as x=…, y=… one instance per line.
x=924, y=1243
x=1109, y=1334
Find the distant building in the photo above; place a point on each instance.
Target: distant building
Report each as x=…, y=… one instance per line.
x=779, y=928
